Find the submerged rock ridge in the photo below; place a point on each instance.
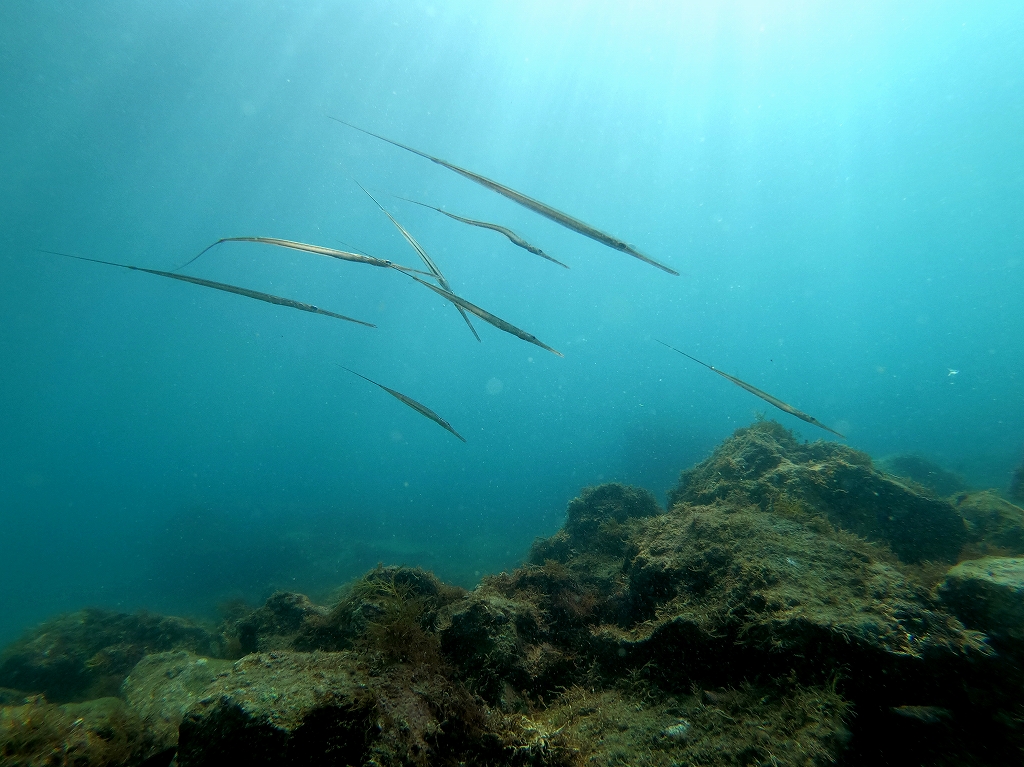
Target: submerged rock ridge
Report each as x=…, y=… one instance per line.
x=794, y=605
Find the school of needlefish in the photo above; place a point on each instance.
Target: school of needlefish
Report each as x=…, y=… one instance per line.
x=443, y=287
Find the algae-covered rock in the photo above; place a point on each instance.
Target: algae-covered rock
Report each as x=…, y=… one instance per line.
x=925, y=473
x=755, y=725
x=279, y=709
x=164, y=686
x=96, y=733
x=494, y=641
x=521, y=633
x=598, y=508
x=291, y=708
x=388, y=611
x=764, y=581
x=734, y=594
x=597, y=526
x=994, y=526
x=988, y=594
x=289, y=621
x=276, y=624
x=379, y=690
x=87, y=654
x=764, y=465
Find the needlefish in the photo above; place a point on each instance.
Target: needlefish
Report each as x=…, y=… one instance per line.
x=563, y=219
x=307, y=248
x=512, y=236
x=424, y=257
x=417, y=406
x=266, y=297
x=758, y=393
x=487, y=317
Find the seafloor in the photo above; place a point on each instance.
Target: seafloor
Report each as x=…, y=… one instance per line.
x=796, y=604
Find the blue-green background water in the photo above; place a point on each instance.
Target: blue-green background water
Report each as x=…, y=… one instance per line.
x=841, y=186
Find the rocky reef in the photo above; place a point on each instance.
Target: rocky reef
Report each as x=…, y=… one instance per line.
x=794, y=605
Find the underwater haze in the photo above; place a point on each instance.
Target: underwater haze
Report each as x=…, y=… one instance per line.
x=840, y=186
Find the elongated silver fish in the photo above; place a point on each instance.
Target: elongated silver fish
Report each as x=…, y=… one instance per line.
x=266, y=297
x=512, y=236
x=564, y=219
x=486, y=316
x=319, y=250
x=423, y=256
x=758, y=393
x=419, y=407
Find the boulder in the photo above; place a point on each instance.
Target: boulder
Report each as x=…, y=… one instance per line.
x=330, y=708
x=988, y=594
x=87, y=654
x=289, y=621
x=766, y=466
x=604, y=507
x=279, y=708
x=994, y=525
x=164, y=686
x=727, y=590
x=276, y=624
x=502, y=645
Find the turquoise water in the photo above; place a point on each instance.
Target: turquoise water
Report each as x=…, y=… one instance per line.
x=841, y=188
